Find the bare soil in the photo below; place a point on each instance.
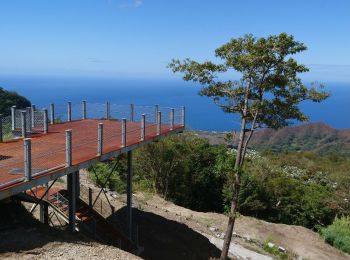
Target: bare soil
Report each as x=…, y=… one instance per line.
x=165, y=231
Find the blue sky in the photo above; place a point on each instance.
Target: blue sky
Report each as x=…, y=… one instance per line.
x=137, y=38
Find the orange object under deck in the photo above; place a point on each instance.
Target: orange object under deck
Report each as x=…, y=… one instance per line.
x=49, y=155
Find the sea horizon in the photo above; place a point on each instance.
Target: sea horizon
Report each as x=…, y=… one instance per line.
x=201, y=113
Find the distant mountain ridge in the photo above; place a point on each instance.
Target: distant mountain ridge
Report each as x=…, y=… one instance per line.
x=316, y=137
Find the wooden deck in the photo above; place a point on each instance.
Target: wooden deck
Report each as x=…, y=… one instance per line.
x=48, y=150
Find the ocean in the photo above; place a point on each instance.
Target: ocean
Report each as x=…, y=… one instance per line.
x=201, y=112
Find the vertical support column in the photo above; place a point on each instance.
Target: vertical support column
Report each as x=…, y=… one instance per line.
x=1, y=134
x=71, y=187
x=69, y=111
x=77, y=184
x=33, y=114
x=123, y=132
x=100, y=139
x=83, y=104
x=71, y=183
x=131, y=112
x=23, y=123
x=45, y=120
x=29, y=119
x=159, y=122
x=156, y=110
x=183, y=122
x=44, y=213
x=27, y=158
x=90, y=198
x=13, y=118
x=143, y=127
x=108, y=110
x=172, y=117
x=129, y=195
x=68, y=148
x=52, y=113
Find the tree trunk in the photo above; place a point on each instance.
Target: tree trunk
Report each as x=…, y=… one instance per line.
x=234, y=202
x=237, y=184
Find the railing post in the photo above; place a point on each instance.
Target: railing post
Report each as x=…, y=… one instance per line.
x=28, y=158
x=45, y=120
x=156, y=113
x=100, y=139
x=13, y=118
x=52, y=113
x=68, y=147
x=108, y=110
x=159, y=122
x=33, y=114
x=69, y=111
x=183, y=110
x=84, y=109
x=29, y=117
x=123, y=132
x=131, y=112
x=23, y=123
x=143, y=127
x=1, y=134
x=172, y=117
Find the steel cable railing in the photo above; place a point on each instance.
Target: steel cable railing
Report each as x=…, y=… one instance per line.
x=89, y=139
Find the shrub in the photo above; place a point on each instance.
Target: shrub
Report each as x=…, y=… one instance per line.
x=116, y=181
x=338, y=234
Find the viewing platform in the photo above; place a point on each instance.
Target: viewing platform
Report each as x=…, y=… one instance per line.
x=47, y=144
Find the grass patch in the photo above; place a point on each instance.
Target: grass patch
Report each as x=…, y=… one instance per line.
x=338, y=234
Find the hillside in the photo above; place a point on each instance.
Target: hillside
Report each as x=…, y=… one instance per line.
x=9, y=99
x=316, y=137
x=166, y=231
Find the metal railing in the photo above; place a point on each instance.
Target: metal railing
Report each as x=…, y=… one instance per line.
x=117, y=127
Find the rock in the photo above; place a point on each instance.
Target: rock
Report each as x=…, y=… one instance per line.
x=282, y=249
x=218, y=235
x=213, y=229
x=234, y=233
x=247, y=238
x=270, y=245
x=222, y=235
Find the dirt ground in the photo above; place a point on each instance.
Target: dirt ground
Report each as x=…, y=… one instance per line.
x=22, y=237
x=165, y=231
x=168, y=229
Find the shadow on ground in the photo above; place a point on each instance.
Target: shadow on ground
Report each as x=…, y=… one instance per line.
x=20, y=231
x=161, y=238
x=166, y=239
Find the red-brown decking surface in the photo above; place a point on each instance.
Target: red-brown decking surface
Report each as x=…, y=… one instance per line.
x=48, y=150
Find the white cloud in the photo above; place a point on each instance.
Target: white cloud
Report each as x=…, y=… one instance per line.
x=126, y=3
x=138, y=3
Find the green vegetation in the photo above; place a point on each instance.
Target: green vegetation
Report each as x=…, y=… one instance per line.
x=275, y=252
x=8, y=99
x=338, y=234
x=100, y=174
x=182, y=169
x=291, y=188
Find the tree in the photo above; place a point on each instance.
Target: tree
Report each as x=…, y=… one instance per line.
x=9, y=99
x=267, y=94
